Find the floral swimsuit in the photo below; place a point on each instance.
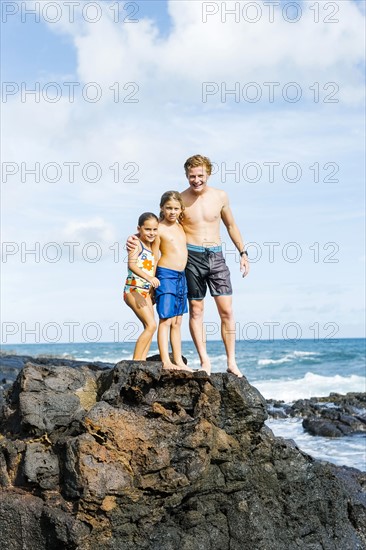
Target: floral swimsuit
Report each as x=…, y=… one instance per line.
x=134, y=283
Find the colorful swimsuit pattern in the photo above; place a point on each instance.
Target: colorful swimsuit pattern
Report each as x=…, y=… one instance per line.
x=134, y=283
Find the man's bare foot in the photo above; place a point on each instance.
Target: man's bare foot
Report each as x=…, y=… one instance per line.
x=171, y=366
x=233, y=369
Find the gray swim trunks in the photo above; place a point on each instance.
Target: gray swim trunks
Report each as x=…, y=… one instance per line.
x=207, y=267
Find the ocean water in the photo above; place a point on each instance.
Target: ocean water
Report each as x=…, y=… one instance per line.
x=280, y=369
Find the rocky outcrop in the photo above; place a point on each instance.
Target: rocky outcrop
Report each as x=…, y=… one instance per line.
x=136, y=457
x=333, y=416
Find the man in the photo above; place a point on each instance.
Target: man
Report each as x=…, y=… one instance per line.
x=205, y=207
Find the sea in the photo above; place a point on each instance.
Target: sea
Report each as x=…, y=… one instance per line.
x=284, y=370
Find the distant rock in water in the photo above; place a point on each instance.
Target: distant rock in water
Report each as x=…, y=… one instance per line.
x=139, y=458
x=333, y=416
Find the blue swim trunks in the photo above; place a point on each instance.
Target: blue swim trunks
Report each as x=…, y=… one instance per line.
x=171, y=295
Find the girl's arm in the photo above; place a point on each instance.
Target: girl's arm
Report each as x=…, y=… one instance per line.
x=132, y=259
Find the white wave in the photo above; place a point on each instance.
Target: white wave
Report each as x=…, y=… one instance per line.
x=109, y=359
x=305, y=353
x=312, y=385
x=265, y=362
x=287, y=358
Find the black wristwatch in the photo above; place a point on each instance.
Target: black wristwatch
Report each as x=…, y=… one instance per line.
x=243, y=252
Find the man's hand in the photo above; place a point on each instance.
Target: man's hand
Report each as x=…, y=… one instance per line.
x=244, y=265
x=132, y=243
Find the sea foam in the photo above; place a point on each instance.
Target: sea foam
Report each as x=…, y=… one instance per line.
x=311, y=385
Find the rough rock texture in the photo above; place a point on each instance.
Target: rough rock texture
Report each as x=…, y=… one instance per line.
x=136, y=457
x=333, y=416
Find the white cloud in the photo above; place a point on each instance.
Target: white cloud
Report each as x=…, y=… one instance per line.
x=94, y=230
x=215, y=51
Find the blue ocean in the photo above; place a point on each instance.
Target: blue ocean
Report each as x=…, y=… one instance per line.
x=280, y=369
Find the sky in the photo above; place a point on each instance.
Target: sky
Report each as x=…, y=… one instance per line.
x=102, y=103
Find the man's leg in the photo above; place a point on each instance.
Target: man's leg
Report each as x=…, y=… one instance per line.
x=225, y=309
x=196, y=309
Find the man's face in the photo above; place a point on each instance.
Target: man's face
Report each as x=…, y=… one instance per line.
x=197, y=178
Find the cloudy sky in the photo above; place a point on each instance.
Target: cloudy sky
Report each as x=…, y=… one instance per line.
x=102, y=102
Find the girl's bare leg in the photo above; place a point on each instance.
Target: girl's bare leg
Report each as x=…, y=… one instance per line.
x=176, y=341
x=163, y=343
x=143, y=309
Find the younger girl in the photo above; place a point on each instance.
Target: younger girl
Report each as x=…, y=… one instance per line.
x=140, y=280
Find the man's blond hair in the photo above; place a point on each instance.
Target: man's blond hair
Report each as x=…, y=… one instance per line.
x=198, y=160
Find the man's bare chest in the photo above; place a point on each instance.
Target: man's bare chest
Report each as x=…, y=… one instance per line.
x=202, y=212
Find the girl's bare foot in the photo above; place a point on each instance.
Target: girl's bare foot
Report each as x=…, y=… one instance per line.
x=233, y=369
x=183, y=366
x=171, y=366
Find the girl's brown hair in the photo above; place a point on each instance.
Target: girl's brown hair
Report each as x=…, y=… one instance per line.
x=167, y=196
x=146, y=216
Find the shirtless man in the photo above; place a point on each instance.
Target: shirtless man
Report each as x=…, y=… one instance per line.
x=205, y=207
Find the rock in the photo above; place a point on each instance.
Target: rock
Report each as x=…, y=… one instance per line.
x=50, y=398
x=28, y=523
x=11, y=365
x=41, y=466
x=138, y=457
x=158, y=358
x=333, y=416
x=334, y=424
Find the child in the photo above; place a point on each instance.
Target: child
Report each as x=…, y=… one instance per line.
x=140, y=279
x=171, y=295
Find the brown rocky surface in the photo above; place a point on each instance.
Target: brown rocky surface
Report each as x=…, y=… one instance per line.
x=135, y=457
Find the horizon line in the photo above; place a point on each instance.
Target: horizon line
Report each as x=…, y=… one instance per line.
x=189, y=341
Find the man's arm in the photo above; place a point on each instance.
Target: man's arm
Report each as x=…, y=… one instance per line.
x=234, y=234
x=132, y=243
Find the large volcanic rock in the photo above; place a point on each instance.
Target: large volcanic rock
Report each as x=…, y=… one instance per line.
x=136, y=457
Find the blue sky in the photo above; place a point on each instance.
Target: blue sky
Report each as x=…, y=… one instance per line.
x=172, y=85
